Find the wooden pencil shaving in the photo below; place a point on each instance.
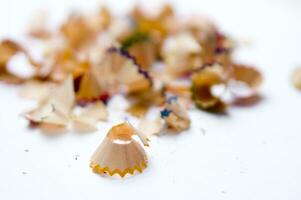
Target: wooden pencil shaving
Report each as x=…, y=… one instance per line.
x=202, y=83
x=56, y=109
x=241, y=81
x=175, y=115
x=181, y=53
x=119, y=153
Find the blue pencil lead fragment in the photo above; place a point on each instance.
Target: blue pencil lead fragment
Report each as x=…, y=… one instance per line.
x=165, y=113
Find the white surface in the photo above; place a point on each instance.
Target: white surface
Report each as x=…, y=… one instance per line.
x=251, y=154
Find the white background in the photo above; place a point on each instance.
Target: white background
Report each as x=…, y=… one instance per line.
x=252, y=154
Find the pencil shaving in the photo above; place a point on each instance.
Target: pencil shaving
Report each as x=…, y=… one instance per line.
x=175, y=115
x=56, y=109
x=119, y=153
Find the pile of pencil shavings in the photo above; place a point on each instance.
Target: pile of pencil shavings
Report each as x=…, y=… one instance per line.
x=160, y=60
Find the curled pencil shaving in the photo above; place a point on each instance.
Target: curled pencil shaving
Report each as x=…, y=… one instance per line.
x=202, y=84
